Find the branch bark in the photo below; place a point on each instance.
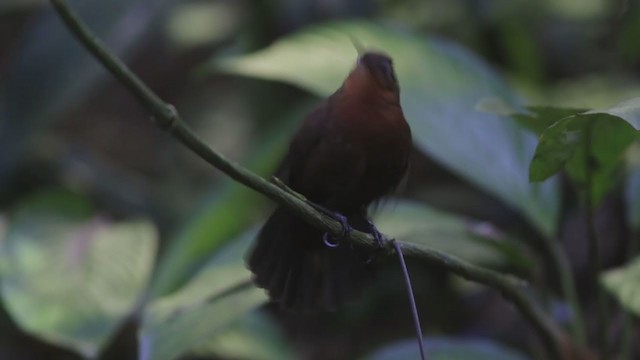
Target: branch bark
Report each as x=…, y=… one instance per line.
x=168, y=119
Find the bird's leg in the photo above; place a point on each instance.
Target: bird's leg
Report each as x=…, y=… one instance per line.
x=328, y=239
x=379, y=237
x=334, y=241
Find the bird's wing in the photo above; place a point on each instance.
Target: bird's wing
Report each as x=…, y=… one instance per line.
x=306, y=139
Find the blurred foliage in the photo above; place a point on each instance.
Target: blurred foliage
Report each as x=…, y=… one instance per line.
x=214, y=297
x=469, y=240
x=9, y=6
x=447, y=349
x=623, y=284
x=197, y=24
x=115, y=242
x=69, y=277
x=34, y=91
x=632, y=198
x=231, y=210
x=254, y=337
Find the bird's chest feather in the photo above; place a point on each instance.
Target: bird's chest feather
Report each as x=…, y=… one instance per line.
x=362, y=155
x=378, y=133
x=376, y=142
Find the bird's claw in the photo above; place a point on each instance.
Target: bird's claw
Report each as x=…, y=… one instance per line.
x=334, y=241
x=377, y=235
x=380, y=240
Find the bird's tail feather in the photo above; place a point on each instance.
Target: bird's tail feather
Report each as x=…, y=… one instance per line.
x=291, y=262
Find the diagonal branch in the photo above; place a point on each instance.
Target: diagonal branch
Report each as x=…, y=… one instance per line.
x=168, y=119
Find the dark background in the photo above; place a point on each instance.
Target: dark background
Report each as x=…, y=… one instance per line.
x=67, y=125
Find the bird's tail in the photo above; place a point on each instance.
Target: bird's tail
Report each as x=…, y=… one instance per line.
x=291, y=262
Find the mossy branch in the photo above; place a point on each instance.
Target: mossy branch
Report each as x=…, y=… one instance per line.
x=168, y=119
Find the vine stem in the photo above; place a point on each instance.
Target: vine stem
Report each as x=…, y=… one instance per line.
x=167, y=118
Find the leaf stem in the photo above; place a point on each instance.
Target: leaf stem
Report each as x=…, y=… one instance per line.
x=595, y=257
x=568, y=286
x=167, y=118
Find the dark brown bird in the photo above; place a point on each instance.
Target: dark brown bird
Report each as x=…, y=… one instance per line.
x=350, y=151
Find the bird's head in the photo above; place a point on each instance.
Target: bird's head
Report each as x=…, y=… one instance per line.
x=373, y=76
x=380, y=68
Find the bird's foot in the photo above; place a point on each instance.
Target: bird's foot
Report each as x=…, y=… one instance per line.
x=334, y=241
x=380, y=240
x=377, y=235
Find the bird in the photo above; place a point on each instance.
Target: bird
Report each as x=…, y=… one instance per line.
x=352, y=150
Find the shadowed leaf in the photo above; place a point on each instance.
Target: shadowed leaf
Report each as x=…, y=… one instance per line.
x=473, y=241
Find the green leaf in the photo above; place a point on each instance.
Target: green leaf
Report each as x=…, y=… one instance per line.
x=254, y=337
x=441, y=83
x=208, y=304
x=564, y=145
x=443, y=348
x=624, y=284
x=72, y=279
x=476, y=242
x=539, y=118
x=558, y=144
x=628, y=111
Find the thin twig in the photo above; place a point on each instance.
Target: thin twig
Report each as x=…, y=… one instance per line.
x=412, y=299
x=167, y=118
x=568, y=287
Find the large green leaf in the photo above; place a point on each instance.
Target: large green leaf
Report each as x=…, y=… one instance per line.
x=441, y=83
x=476, y=242
x=447, y=349
x=72, y=279
x=214, y=299
x=624, y=284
